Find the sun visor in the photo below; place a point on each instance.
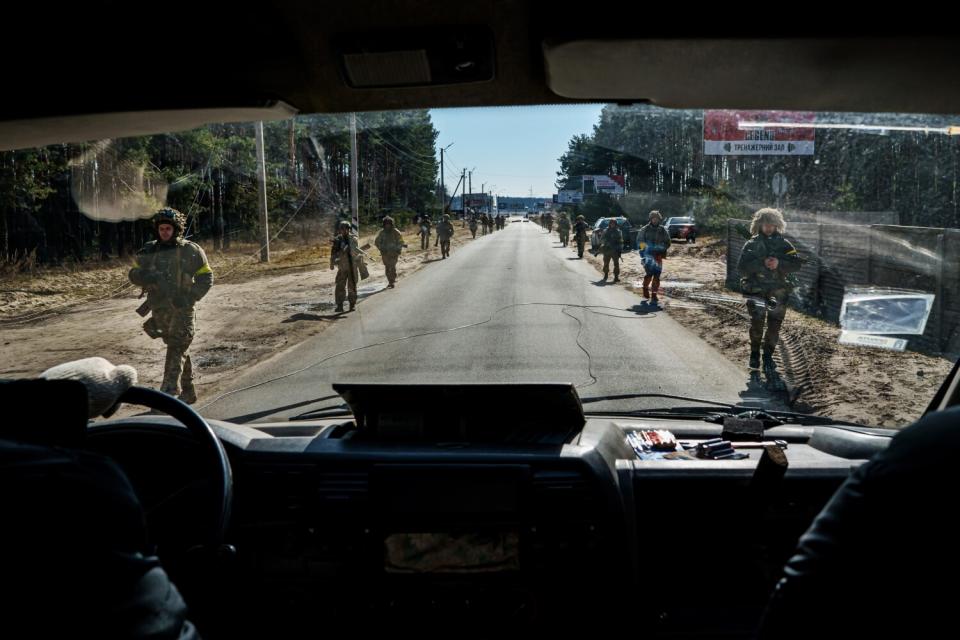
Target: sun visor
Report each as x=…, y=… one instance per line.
x=815, y=74
x=29, y=133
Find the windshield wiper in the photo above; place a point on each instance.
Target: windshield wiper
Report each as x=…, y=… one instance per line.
x=323, y=412
x=628, y=396
x=770, y=417
x=250, y=417
x=773, y=416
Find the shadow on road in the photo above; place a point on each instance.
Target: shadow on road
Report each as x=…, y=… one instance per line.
x=758, y=394
x=645, y=308
x=297, y=317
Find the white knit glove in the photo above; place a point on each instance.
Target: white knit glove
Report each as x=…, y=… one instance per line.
x=105, y=382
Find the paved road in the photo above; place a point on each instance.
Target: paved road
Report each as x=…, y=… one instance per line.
x=510, y=287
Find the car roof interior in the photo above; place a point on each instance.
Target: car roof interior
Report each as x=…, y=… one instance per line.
x=124, y=70
x=317, y=504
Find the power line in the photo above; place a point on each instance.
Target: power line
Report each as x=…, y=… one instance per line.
x=401, y=152
x=412, y=152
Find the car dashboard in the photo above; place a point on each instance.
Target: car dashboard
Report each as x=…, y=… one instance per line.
x=330, y=524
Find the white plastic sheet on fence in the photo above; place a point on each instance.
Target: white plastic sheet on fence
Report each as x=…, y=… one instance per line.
x=879, y=311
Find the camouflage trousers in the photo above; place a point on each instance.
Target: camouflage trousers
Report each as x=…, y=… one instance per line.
x=445, y=247
x=390, y=265
x=607, y=257
x=768, y=309
x=346, y=285
x=581, y=244
x=177, y=327
x=424, y=240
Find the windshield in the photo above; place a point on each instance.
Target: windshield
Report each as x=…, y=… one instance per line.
x=820, y=278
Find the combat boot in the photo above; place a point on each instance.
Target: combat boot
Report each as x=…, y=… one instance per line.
x=769, y=366
x=189, y=393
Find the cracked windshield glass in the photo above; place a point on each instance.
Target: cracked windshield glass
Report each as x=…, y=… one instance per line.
x=793, y=261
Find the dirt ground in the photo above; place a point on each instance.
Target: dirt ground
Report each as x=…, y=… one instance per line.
x=252, y=311
x=869, y=386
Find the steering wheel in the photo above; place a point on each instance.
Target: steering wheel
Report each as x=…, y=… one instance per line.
x=217, y=466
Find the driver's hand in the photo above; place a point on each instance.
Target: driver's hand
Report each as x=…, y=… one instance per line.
x=105, y=382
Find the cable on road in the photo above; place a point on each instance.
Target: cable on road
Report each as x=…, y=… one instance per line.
x=564, y=306
x=582, y=348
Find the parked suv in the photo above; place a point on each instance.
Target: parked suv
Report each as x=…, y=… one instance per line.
x=629, y=233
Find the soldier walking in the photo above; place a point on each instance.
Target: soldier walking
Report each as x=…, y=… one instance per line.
x=175, y=275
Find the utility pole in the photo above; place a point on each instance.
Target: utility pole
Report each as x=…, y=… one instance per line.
x=443, y=184
x=293, y=154
x=354, y=170
x=262, y=194
x=470, y=182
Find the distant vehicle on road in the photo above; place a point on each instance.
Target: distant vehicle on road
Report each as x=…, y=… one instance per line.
x=682, y=228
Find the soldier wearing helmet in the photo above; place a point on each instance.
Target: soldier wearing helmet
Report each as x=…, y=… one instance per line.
x=175, y=275
x=654, y=242
x=444, y=233
x=563, y=228
x=580, y=231
x=345, y=258
x=390, y=243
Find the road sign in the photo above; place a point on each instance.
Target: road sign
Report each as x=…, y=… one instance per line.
x=754, y=133
x=779, y=184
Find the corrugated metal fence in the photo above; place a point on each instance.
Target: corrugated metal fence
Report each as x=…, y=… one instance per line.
x=840, y=255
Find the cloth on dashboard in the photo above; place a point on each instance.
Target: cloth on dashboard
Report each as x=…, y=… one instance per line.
x=105, y=382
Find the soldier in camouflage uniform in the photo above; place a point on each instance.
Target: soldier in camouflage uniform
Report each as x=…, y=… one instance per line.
x=611, y=247
x=345, y=258
x=766, y=266
x=654, y=242
x=174, y=274
x=563, y=228
x=444, y=233
x=390, y=243
x=425, y=227
x=580, y=232
x=473, y=225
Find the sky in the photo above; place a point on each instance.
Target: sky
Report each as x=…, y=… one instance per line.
x=514, y=149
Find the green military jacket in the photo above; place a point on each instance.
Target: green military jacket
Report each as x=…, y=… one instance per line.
x=755, y=277
x=445, y=230
x=345, y=253
x=389, y=241
x=612, y=241
x=652, y=237
x=174, y=274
